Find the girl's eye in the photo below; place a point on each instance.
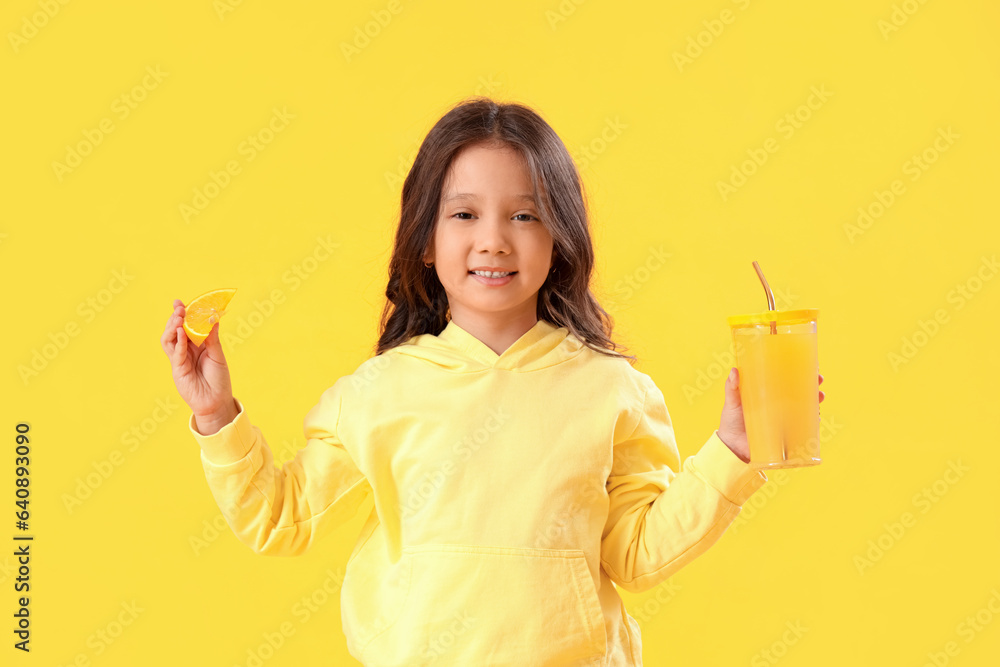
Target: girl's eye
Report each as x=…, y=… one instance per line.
x=519, y=215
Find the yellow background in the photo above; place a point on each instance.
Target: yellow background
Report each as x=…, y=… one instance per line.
x=661, y=134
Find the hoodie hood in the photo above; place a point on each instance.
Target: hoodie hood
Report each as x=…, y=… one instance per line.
x=458, y=351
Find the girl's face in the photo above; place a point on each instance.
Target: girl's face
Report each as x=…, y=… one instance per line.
x=488, y=219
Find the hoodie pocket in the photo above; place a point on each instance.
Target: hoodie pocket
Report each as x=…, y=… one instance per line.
x=478, y=605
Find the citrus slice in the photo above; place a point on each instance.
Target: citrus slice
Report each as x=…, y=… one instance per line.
x=204, y=311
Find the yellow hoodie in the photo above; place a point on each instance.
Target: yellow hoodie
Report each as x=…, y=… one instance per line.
x=509, y=492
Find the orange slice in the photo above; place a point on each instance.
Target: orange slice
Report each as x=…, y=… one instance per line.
x=204, y=311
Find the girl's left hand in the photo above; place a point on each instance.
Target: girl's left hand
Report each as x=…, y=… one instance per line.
x=732, y=430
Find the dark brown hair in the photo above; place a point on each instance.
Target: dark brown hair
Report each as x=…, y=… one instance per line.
x=416, y=301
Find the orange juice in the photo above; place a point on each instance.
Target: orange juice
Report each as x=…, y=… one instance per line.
x=779, y=386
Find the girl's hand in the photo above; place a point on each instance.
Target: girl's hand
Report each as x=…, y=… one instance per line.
x=732, y=430
x=200, y=373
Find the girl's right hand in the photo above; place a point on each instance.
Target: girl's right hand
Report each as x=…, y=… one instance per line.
x=200, y=373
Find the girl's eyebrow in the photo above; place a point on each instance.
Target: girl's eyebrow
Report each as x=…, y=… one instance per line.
x=471, y=195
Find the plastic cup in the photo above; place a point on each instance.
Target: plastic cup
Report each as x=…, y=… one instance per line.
x=778, y=361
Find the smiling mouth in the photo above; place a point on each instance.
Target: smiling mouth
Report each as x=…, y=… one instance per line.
x=508, y=273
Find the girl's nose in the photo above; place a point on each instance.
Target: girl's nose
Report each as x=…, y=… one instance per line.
x=491, y=234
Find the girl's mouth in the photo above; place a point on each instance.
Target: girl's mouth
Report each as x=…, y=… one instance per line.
x=489, y=280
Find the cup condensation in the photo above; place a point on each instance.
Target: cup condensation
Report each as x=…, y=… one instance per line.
x=779, y=386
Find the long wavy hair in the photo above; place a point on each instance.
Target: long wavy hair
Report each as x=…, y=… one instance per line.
x=416, y=302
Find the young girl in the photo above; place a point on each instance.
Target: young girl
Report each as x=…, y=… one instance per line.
x=517, y=463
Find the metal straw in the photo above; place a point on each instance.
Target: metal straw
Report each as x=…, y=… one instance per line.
x=774, y=330
x=770, y=297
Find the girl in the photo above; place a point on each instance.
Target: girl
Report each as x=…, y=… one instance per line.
x=517, y=463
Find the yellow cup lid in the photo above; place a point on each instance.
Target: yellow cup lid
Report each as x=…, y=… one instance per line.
x=780, y=316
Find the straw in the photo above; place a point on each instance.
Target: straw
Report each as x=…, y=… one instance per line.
x=774, y=330
x=770, y=297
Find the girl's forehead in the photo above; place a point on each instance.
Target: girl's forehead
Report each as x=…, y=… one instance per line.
x=484, y=153
x=472, y=171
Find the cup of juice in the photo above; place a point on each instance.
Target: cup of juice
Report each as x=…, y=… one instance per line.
x=778, y=361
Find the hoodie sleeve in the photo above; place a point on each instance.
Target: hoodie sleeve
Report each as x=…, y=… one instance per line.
x=661, y=516
x=283, y=511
